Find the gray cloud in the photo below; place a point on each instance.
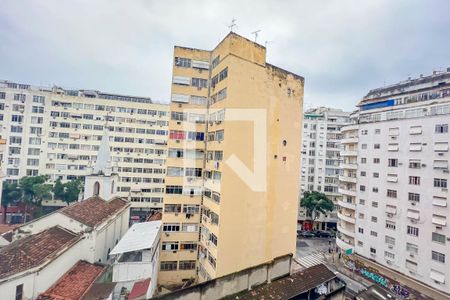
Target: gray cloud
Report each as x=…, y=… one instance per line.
x=343, y=48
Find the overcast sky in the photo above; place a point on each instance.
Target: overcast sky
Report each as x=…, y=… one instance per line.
x=342, y=48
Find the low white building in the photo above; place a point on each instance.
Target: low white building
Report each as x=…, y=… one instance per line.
x=31, y=265
x=136, y=257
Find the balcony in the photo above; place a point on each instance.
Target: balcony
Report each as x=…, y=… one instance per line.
x=349, y=166
x=350, y=128
x=346, y=191
x=349, y=153
x=349, y=140
x=349, y=219
x=347, y=178
x=346, y=231
x=351, y=206
x=345, y=245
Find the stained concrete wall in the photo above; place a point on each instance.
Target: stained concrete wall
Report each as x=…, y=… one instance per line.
x=235, y=282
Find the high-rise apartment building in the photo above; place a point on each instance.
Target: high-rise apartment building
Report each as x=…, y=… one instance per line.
x=395, y=211
x=57, y=132
x=233, y=159
x=320, y=161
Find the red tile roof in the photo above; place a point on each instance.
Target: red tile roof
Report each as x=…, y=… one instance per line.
x=288, y=287
x=7, y=227
x=75, y=283
x=139, y=289
x=93, y=211
x=155, y=217
x=34, y=250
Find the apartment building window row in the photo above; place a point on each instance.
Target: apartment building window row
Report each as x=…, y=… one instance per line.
x=414, y=231
x=190, y=135
x=439, y=257
x=440, y=183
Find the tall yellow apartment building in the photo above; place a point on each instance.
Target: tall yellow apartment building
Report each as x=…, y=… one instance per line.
x=233, y=164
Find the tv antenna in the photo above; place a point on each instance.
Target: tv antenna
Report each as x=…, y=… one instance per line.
x=256, y=34
x=233, y=24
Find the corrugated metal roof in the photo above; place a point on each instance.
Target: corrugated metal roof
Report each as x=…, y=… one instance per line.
x=140, y=236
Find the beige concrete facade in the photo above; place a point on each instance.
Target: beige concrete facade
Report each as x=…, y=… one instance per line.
x=249, y=158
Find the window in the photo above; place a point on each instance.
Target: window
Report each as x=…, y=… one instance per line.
x=363, y=146
x=438, y=238
x=174, y=189
x=363, y=160
x=414, y=231
x=219, y=135
x=441, y=128
x=410, y=265
x=19, y=292
x=182, y=62
x=439, y=257
x=392, y=193
x=414, y=180
x=389, y=240
x=389, y=255
x=376, y=160
x=376, y=146
x=392, y=162
x=440, y=182
x=375, y=189
x=374, y=204
x=376, y=175
x=374, y=219
x=414, y=197
x=390, y=225
x=362, y=188
x=362, y=202
x=360, y=230
x=414, y=164
x=412, y=248
x=374, y=233
x=172, y=208
x=363, y=173
x=168, y=265
x=187, y=265
x=169, y=246
x=364, y=132
x=200, y=82
x=169, y=227
x=223, y=74
x=373, y=250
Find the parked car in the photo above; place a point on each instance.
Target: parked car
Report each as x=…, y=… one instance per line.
x=322, y=234
x=305, y=234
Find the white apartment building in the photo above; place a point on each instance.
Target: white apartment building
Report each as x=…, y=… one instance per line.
x=395, y=182
x=321, y=160
x=57, y=132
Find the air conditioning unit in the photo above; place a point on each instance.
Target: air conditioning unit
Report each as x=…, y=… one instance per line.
x=438, y=227
x=441, y=154
x=411, y=255
x=424, y=165
x=390, y=247
x=413, y=221
x=390, y=215
x=413, y=203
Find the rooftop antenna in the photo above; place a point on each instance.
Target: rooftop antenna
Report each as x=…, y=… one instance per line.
x=233, y=24
x=256, y=34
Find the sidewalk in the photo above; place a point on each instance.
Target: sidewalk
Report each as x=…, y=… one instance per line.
x=340, y=267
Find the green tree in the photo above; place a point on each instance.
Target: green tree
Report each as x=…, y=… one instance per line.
x=58, y=189
x=10, y=195
x=315, y=202
x=71, y=190
x=34, y=189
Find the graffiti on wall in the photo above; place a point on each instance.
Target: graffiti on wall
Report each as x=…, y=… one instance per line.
x=375, y=276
